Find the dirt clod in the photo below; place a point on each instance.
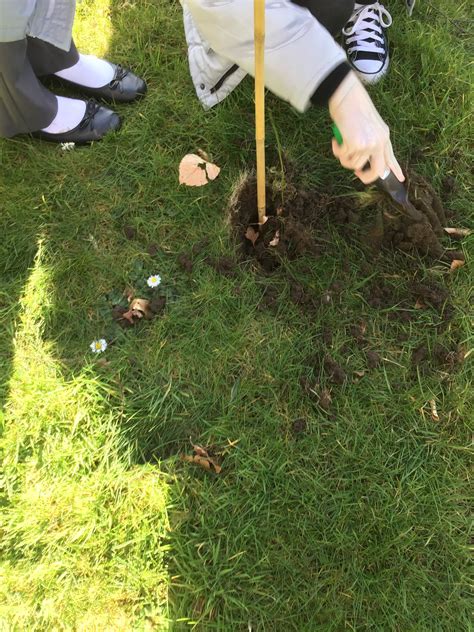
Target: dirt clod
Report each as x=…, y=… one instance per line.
x=223, y=265
x=334, y=371
x=325, y=399
x=158, y=304
x=153, y=249
x=373, y=359
x=299, y=426
x=129, y=231
x=185, y=263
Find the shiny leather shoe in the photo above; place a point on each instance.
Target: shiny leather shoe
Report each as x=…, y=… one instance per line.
x=96, y=123
x=124, y=87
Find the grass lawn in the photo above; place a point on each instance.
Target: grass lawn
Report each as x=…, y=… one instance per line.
x=352, y=515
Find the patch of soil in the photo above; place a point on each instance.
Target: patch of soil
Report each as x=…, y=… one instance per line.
x=153, y=249
x=223, y=265
x=334, y=371
x=438, y=358
x=373, y=359
x=430, y=293
x=270, y=298
x=296, y=221
x=185, y=263
x=129, y=231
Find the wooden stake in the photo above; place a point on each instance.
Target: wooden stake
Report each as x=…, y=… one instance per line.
x=259, y=27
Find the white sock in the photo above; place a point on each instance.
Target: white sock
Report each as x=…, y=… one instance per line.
x=89, y=71
x=70, y=114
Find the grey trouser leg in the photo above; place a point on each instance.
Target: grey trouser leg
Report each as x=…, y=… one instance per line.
x=25, y=104
x=332, y=14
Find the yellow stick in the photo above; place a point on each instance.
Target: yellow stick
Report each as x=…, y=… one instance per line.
x=259, y=27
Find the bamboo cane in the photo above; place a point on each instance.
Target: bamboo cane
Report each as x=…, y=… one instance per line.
x=259, y=28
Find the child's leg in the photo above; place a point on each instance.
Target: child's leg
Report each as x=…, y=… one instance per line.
x=25, y=104
x=333, y=15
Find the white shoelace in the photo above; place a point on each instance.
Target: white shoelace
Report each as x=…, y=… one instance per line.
x=368, y=23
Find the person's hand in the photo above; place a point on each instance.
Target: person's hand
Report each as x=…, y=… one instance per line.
x=366, y=136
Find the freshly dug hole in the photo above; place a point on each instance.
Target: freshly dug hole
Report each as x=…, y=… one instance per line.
x=298, y=221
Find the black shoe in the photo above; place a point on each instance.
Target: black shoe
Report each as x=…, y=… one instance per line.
x=365, y=41
x=124, y=87
x=97, y=122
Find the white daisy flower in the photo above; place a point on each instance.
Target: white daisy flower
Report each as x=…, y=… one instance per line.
x=154, y=280
x=67, y=146
x=98, y=346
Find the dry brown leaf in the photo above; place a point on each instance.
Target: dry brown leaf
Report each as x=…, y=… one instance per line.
x=142, y=305
x=200, y=451
x=276, y=240
x=459, y=233
x=359, y=373
x=202, y=459
x=196, y=172
x=139, y=308
x=456, y=263
x=251, y=234
x=207, y=463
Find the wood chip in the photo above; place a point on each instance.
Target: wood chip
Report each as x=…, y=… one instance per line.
x=434, y=410
x=458, y=232
x=456, y=263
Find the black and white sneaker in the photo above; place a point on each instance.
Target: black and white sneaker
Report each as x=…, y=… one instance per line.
x=365, y=41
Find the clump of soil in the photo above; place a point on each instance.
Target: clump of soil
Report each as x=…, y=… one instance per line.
x=297, y=219
x=438, y=358
x=334, y=371
x=299, y=427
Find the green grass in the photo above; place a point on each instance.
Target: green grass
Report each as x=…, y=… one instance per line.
x=361, y=522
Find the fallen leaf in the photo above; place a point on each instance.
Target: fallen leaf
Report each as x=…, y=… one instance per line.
x=359, y=373
x=251, y=234
x=456, y=263
x=458, y=233
x=196, y=172
x=142, y=305
x=206, y=462
x=212, y=170
x=139, y=309
x=276, y=240
x=419, y=304
x=200, y=451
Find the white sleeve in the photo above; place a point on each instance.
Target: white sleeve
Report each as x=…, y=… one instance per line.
x=299, y=52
